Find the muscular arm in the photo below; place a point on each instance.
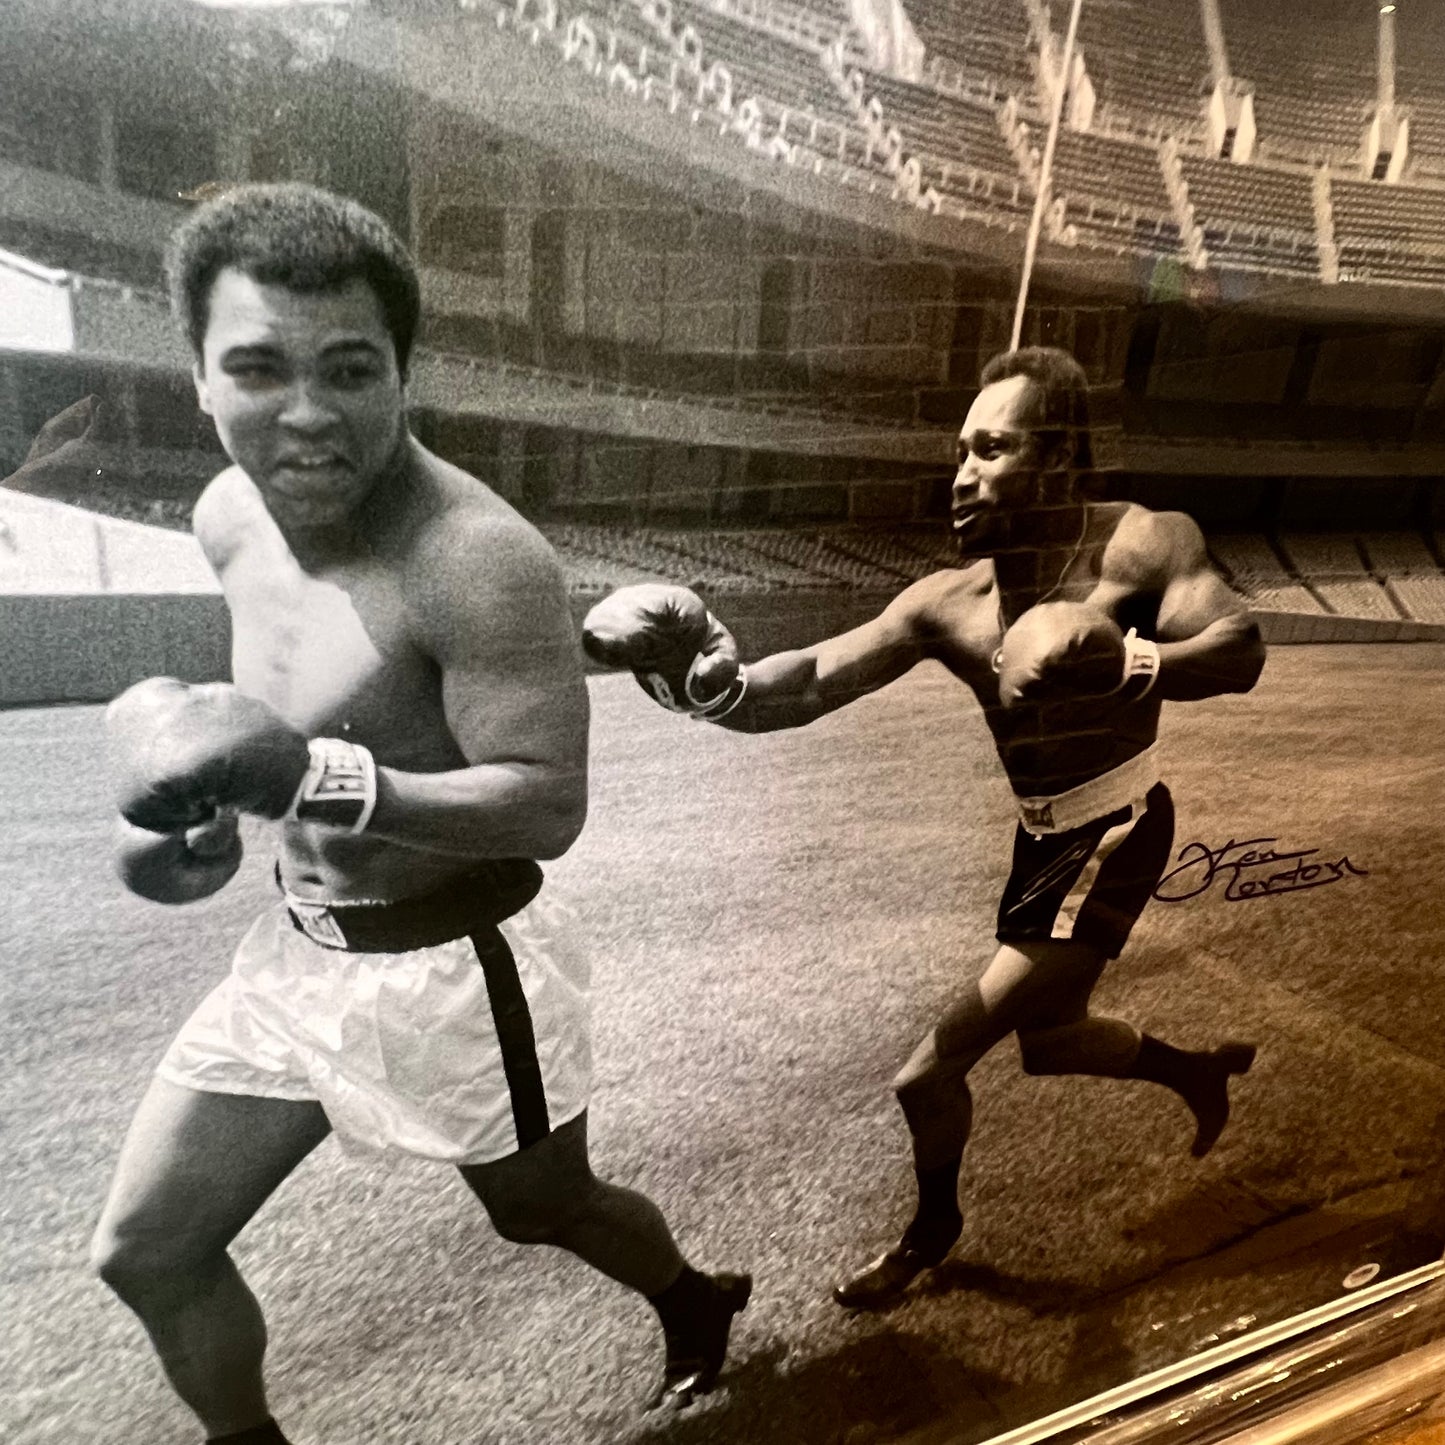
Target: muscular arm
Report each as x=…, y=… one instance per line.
x=1208, y=642
x=790, y=689
x=492, y=609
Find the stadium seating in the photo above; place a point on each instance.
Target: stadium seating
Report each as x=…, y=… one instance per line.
x=1253, y=217
x=763, y=65
x=1409, y=572
x=984, y=38
x=1326, y=574
x=597, y=558
x=1114, y=193
x=1335, y=569
x=1147, y=60
x=1310, y=126
x=1389, y=233
x=1151, y=71
x=959, y=142
x=1256, y=572
x=1420, y=598
x=1399, y=554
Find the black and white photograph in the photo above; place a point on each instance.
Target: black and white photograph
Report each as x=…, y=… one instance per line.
x=720, y=720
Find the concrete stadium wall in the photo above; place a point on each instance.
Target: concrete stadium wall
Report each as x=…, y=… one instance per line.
x=88, y=647
x=1286, y=627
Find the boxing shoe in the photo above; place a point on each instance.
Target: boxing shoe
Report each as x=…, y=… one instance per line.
x=697, y=1348
x=882, y=1281
x=1210, y=1102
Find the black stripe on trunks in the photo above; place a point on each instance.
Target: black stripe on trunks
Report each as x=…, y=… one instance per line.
x=515, y=1037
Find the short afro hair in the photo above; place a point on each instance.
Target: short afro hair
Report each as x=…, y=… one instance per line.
x=1063, y=390
x=296, y=236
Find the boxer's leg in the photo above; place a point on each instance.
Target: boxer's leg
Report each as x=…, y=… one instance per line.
x=193, y=1170
x=933, y=1093
x=548, y=1194
x=1112, y=1049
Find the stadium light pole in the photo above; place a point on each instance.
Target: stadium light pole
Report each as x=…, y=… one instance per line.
x=1046, y=173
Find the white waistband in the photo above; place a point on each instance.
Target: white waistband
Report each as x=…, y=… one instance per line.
x=1128, y=783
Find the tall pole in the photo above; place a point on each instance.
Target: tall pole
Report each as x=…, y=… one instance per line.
x=1046, y=173
x=1386, y=96
x=1213, y=24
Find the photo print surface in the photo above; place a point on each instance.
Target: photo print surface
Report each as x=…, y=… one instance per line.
x=1033, y=935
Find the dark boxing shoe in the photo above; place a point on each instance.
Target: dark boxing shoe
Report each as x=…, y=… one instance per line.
x=695, y=1354
x=884, y=1280
x=1211, y=1104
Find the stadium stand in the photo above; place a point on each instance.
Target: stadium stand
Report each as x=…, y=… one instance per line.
x=983, y=38
x=1409, y=573
x=598, y=558
x=763, y=65
x=1420, y=598
x=1257, y=574
x=1399, y=554
x=1394, y=233
x=963, y=147
x=1231, y=203
x=1336, y=573
x=1307, y=126
x=1114, y=194
x=1150, y=69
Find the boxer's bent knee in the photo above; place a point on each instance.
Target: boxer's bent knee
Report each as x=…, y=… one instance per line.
x=132, y=1259
x=543, y=1214
x=1099, y=1046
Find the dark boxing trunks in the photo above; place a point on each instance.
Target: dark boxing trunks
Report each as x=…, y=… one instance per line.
x=1090, y=883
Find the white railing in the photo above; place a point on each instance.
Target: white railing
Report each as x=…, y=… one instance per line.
x=1177, y=189
x=948, y=77
x=1325, y=227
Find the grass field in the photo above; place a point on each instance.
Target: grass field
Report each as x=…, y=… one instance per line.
x=775, y=922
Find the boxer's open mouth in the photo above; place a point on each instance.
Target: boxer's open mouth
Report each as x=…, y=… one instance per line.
x=312, y=464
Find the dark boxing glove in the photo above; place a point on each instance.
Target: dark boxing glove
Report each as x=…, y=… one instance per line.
x=179, y=867
x=184, y=753
x=679, y=652
x=1061, y=650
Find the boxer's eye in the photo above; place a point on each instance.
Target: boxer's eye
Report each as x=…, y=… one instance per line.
x=251, y=370
x=353, y=375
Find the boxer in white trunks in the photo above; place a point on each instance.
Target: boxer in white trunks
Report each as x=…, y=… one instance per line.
x=1072, y=621
x=409, y=705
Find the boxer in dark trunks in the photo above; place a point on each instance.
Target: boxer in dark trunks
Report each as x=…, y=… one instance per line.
x=1073, y=621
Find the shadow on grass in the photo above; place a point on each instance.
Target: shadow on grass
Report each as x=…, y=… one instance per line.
x=883, y=1387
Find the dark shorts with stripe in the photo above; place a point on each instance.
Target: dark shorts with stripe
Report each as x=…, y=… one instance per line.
x=452, y=1026
x=1089, y=884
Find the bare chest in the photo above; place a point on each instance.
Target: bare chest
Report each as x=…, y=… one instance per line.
x=331, y=652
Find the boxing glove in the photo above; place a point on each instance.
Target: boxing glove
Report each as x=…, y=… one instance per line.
x=179, y=867
x=1061, y=650
x=182, y=752
x=683, y=657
